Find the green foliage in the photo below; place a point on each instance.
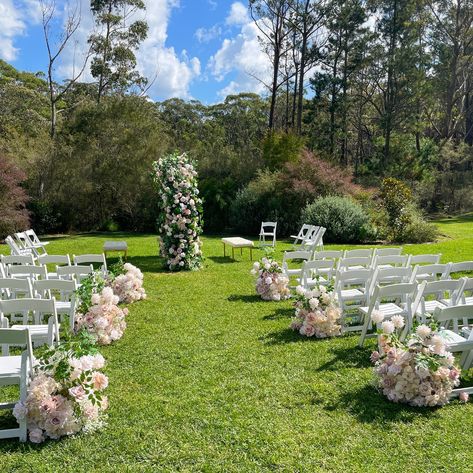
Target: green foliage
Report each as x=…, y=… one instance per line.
x=280, y=148
x=344, y=219
x=91, y=284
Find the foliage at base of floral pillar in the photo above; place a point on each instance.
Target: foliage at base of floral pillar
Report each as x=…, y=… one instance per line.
x=180, y=222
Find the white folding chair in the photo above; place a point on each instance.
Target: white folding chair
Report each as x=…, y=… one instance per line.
x=27, y=271
x=268, y=230
x=25, y=239
x=430, y=272
x=16, y=249
x=305, y=230
x=18, y=259
x=57, y=260
x=31, y=313
x=424, y=259
x=299, y=256
x=318, y=272
x=387, y=251
x=450, y=320
x=77, y=273
x=64, y=294
x=328, y=254
x=462, y=267
x=466, y=296
x=367, y=252
x=11, y=288
x=351, y=287
x=35, y=239
x=15, y=370
x=403, y=300
x=390, y=261
x=438, y=289
x=354, y=262
x=315, y=241
x=384, y=276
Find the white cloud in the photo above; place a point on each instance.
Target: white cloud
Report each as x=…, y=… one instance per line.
x=238, y=14
x=11, y=26
x=170, y=72
x=205, y=35
x=241, y=56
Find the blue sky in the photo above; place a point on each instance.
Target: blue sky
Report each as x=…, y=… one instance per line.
x=202, y=49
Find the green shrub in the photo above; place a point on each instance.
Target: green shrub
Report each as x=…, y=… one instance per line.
x=344, y=219
x=417, y=230
x=280, y=148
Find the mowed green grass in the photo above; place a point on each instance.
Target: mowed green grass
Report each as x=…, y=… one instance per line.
x=210, y=378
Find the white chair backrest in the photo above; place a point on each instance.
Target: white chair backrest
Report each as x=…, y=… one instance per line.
x=18, y=259
x=77, y=272
x=457, y=315
x=60, y=289
x=453, y=287
x=328, y=254
x=27, y=271
x=37, y=307
x=15, y=249
x=424, y=259
x=295, y=255
x=55, y=259
x=312, y=269
x=268, y=227
x=32, y=236
x=430, y=271
x=12, y=288
x=353, y=261
x=387, y=251
x=16, y=337
x=91, y=258
x=393, y=260
x=462, y=267
x=304, y=231
x=352, y=278
x=396, y=275
x=358, y=252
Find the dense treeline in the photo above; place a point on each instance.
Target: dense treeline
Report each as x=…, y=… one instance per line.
x=359, y=91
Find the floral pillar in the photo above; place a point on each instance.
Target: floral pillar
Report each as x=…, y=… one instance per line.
x=180, y=221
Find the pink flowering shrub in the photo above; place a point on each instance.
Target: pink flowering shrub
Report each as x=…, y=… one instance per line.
x=317, y=313
x=180, y=222
x=419, y=372
x=271, y=282
x=104, y=320
x=128, y=286
x=65, y=395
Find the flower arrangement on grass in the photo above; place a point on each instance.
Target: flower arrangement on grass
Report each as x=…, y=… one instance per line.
x=127, y=283
x=180, y=223
x=104, y=320
x=317, y=312
x=65, y=395
x=419, y=371
x=271, y=282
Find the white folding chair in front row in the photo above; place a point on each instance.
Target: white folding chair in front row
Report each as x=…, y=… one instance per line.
x=32, y=313
x=394, y=299
x=268, y=230
x=297, y=256
x=15, y=370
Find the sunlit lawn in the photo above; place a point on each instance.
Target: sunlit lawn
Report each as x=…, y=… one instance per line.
x=210, y=378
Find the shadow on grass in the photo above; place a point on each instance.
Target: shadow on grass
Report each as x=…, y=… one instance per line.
x=222, y=259
x=147, y=264
x=343, y=357
x=285, y=336
x=244, y=298
x=280, y=313
x=370, y=406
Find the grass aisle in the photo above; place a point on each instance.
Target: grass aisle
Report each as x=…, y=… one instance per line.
x=210, y=378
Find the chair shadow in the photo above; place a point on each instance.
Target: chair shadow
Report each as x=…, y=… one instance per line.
x=280, y=313
x=354, y=357
x=370, y=406
x=244, y=298
x=285, y=336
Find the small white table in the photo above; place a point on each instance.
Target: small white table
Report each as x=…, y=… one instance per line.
x=115, y=246
x=237, y=242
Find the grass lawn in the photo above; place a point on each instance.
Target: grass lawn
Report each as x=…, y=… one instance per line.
x=210, y=378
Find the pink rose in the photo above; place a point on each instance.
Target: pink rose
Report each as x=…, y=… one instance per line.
x=100, y=380
x=464, y=397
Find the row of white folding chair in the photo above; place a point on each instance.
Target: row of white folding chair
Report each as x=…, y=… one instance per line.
x=16, y=249
x=15, y=370
x=305, y=233
x=63, y=292
x=314, y=241
x=31, y=312
x=63, y=260
x=75, y=272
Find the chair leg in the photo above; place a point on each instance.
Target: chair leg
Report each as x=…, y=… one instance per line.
x=364, y=331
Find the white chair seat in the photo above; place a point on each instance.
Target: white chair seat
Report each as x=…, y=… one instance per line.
x=10, y=368
x=451, y=337
x=388, y=310
x=430, y=307
x=63, y=306
x=353, y=294
x=316, y=281
x=40, y=334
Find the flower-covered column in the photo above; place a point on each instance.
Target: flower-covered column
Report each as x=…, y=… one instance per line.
x=180, y=222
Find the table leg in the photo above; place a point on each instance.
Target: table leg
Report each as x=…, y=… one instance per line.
x=241, y=251
x=233, y=252
x=126, y=254
x=224, y=250
x=251, y=254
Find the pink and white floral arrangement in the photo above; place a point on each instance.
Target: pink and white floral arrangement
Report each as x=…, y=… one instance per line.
x=128, y=285
x=317, y=313
x=271, y=282
x=180, y=222
x=65, y=395
x=104, y=320
x=420, y=371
